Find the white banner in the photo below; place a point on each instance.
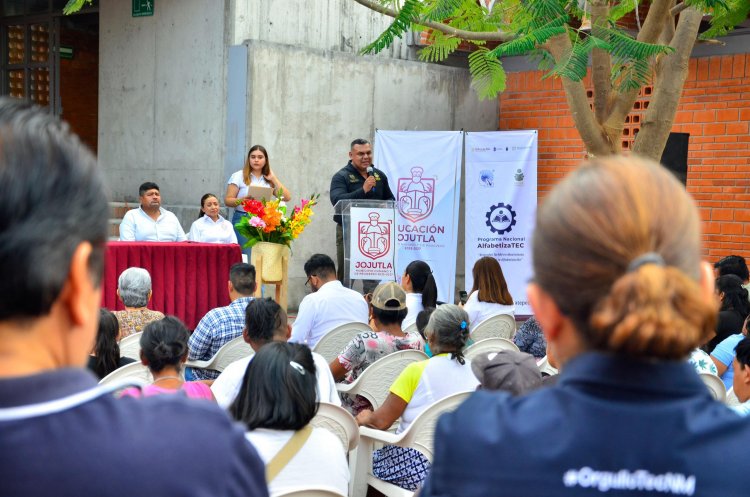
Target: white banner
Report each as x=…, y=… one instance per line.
x=424, y=171
x=372, y=251
x=501, y=205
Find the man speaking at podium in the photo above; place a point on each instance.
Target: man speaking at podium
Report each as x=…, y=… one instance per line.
x=358, y=180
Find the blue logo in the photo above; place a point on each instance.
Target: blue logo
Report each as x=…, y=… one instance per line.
x=486, y=178
x=501, y=218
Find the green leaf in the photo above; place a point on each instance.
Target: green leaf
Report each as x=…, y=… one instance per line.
x=74, y=6
x=725, y=19
x=574, y=63
x=626, y=48
x=632, y=76
x=439, y=10
x=487, y=73
x=618, y=11
x=545, y=11
x=439, y=48
x=531, y=40
x=543, y=59
x=408, y=14
x=707, y=5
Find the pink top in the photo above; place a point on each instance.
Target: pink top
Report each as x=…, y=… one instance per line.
x=193, y=389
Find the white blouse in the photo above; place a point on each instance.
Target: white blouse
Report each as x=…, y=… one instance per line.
x=238, y=180
x=205, y=230
x=479, y=311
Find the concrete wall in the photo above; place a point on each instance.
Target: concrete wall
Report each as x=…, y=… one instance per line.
x=307, y=105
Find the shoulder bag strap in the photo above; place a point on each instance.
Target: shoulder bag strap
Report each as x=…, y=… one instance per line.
x=287, y=452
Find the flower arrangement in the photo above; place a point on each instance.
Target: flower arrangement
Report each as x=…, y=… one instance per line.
x=267, y=220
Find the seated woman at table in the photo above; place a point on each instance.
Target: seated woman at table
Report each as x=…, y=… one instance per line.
x=420, y=385
x=164, y=350
x=277, y=401
x=134, y=290
x=105, y=357
x=211, y=227
x=490, y=295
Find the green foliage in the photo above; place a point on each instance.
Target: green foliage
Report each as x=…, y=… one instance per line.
x=439, y=48
x=487, y=73
x=440, y=10
x=624, y=47
x=526, y=43
x=542, y=12
x=621, y=9
x=631, y=76
x=408, y=14
x=74, y=6
x=574, y=63
x=726, y=17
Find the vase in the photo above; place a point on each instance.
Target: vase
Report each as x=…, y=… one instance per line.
x=272, y=255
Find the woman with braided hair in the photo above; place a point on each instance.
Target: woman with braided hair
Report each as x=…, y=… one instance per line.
x=420, y=385
x=623, y=297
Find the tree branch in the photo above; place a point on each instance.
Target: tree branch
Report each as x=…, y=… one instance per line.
x=677, y=9
x=443, y=28
x=601, y=63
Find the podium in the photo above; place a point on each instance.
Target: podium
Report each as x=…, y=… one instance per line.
x=343, y=209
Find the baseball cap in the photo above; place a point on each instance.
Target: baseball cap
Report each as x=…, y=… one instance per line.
x=389, y=297
x=508, y=370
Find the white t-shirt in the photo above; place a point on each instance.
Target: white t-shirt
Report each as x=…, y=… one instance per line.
x=321, y=462
x=205, y=230
x=238, y=180
x=137, y=226
x=320, y=312
x=227, y=386
x=414, y=305
x=479, y=311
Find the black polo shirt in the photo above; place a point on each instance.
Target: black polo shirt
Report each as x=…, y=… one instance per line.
x=347, y=184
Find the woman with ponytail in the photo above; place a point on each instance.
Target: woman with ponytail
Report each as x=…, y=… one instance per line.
x=623, y=297
x=733, y=309
x=105, y=357
x=420, y=385
x=420, y=288
x=164, y=350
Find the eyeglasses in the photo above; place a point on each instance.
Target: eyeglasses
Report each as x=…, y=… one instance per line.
x=307, y=283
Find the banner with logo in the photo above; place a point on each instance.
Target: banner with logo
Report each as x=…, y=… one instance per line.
x=372, y=251
x=424, y=172
x=501, y=205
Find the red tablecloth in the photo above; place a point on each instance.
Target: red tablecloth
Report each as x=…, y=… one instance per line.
x=188, y=279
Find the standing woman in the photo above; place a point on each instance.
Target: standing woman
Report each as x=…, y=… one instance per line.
x=257, y=171
x=211, y=227
x=490, y=295
x=420, y=288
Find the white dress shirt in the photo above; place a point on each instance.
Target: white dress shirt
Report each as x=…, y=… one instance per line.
x=227, y=386
x=414, y=305
x=205, y=230
x=137, y=226
x=479, y=311
x=238, y=180
x=331, y=306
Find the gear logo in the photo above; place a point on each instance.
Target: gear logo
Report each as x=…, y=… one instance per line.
x=501, y=218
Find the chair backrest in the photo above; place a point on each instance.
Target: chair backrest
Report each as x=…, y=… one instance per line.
x=332, y=343
x=412, y=328
x=338, y=421
x=715, y=386
x=133, y=371
x=731, y=400
x=304, y=491
x=488, y=345
x=421, y=434
x=231, y=351
x=497, y=326
x=545, y=367
x=375, y=382
x=130, y=346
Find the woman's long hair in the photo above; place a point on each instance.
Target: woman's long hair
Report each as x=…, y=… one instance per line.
x=423, y=282
x=246, y=170
x=106, y=349
x=490, y=282
x=734, y=295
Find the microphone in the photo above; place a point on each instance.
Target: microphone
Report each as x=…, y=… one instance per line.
x=371, y=173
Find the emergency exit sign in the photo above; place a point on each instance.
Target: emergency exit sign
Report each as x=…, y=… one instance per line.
x=143, y=8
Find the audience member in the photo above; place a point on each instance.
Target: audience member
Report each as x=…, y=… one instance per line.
x=222, y=324
x=134, y=290
x=530, y=339
x=623, y=297
x=420, y=385
x=734, y=264
x=276, y=403
x=702, y=362
x=733, y=311
x=420, y=288
x=423, y=318
x=723, y=355
x=387, y=312
x=507, y=370
x=105, y=357
x=150, y=222
x=330, y=305
x=741, y=377
x=164, y=351
x=489, y=295
x=61, y=433
x=266, y=322
x=211, y=227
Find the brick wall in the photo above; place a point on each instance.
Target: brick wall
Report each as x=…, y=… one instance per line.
x=715, y=110
x=79, y=84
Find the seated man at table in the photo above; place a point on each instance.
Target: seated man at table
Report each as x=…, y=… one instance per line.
x=222, y=324
x=266, y=322
x=150, y=222
x=330, y=305
x=60, y=433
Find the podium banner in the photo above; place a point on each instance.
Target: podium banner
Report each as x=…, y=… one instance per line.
x=501, y=200
x=372, y=252
x=424, y=171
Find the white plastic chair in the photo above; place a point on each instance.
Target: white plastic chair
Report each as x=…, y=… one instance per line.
x=715, y=386
x=497, y=326
x=487, y=346
x=338, y=421
x=130, y=346
x=412, y=328
x=332, y=343
x=231, y=351
x=731, y=399
x=135, y=371
x=304, y=491
x=545, y=367
x=375, y=381
x=419, y=436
